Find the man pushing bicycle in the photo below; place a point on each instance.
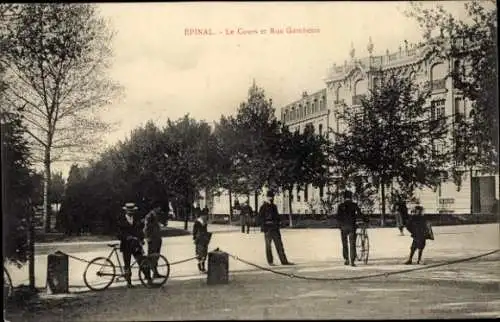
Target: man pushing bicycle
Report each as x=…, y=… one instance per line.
x=131, y=239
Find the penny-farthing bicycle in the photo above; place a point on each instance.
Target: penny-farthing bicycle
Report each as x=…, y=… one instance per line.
x=362, y=242
x=101, y=271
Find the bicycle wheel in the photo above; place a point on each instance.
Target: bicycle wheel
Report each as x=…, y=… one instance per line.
x=366, y=247
x=99, y=274
x=148, y=264
x=8, y=289
x=359, y=246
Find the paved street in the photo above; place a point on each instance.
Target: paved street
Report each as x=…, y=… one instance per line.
x=317, y=253
x=304, y=246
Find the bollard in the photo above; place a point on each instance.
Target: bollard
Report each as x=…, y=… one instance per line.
x=218, y=268
x=57, y=273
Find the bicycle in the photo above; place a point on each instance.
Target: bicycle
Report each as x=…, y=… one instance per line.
x=106, y=269
x=362, y=243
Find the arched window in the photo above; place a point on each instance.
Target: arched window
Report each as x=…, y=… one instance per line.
x=320, y=128
x=439, y=71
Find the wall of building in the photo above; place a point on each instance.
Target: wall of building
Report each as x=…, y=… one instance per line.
x=344, y=84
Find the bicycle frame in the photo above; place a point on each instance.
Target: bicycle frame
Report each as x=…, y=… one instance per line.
x=115, y=252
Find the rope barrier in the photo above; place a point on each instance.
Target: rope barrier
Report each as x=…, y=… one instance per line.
x=105, y=265
x=351, y=278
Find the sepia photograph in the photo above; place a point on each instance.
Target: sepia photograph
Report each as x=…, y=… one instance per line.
x=319, y=160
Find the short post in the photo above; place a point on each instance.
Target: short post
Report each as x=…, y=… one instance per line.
x=218, y=268
x=57, y=273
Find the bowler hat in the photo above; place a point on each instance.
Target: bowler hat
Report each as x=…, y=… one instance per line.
x=130, y=206
x=270, y=193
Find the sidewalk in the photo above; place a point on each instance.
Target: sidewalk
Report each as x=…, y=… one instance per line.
x=259, y=295
x=306, y=247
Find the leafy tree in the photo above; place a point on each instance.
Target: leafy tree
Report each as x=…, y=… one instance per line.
x=258, y=135
x=56, y=58
x=471, y=45
x=393, y=138
x=227, y=174
x=17, y=188
x=75, y=203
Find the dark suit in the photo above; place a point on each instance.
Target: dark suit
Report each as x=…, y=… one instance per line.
x=130, y=236
x=245, y=218
x=201, y=238
x=270, y=225
x=347, y=213
x=417, y=225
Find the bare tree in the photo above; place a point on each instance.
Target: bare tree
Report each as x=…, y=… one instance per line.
x=56, y=57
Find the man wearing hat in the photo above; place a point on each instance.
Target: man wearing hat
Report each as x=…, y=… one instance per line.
x=131, y=238
x=152, y=233
x=348, y=212
x=270, y=223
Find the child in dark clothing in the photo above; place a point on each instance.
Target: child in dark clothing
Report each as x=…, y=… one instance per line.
x=417, y=226
x=201, y=238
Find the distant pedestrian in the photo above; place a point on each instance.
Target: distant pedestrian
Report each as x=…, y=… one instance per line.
x=347, y=213
x=236, y=211
x=201, y=238
x=270, y=224
x=420, y=231
x=152, y=233
x=401, y=213
x=131, y=239
x=246, y=217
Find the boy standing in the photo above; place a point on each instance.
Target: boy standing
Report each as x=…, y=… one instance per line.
x=201, y=238
x=417, y=226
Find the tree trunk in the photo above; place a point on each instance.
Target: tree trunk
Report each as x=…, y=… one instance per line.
x=290, y=191
x=230, y=206
x=46, y=184
x=472, y=203
x=382, y=219
x=256, y=200
x=31, y=247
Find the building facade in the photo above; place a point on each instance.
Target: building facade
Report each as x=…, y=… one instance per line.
x=345, y=84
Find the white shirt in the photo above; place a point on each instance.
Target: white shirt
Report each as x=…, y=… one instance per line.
x=130, y=219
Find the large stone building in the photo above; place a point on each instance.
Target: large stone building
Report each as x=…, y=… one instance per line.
x=348, y=82
x=345, y=84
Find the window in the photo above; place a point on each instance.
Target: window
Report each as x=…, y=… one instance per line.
x=459, y=106
x=298, y=194
x=321, y=192
x=439, y=72
x=306, y=193
x=437, y=109
x=437, y=147
x=320, y=128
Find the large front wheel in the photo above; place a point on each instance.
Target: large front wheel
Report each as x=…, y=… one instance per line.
x=99, y=274
x=158, y=267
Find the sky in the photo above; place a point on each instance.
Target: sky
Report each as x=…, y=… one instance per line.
x=167, y=73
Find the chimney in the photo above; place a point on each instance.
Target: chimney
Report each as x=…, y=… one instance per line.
x=304, y=94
